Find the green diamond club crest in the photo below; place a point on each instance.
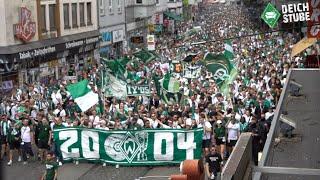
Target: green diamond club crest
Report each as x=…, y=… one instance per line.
x=270, y=15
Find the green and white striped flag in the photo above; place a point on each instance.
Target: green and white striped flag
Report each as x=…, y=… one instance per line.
x=82, y=95
x=170, y=84
x=228, y=50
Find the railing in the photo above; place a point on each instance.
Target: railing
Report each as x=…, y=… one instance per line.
x=238, y=166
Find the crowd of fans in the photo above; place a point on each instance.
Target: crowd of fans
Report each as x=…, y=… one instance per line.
x=32, y=111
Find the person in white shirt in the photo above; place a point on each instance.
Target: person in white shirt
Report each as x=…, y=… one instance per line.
x=269, y=114
x=95, y=119
x=60, y=112
x=56, y=97
x=233, y=133
x=14, y=109
x=26, y=141
x=207, y=133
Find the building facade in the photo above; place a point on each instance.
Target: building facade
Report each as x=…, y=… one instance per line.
x=112, y=28
x=157, y=18
x=48, y=38
x=175, y=6
x=138, y=17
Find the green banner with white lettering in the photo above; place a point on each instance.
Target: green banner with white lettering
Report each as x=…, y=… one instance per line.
x=143, y=147
x=138, y=90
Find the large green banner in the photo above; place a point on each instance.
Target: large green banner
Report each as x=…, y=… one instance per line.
x=144, y=147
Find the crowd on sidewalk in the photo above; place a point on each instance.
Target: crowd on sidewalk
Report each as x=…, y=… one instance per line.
x=33, y=111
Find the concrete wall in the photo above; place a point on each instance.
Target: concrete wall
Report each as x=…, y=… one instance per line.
x=239, y=164
x=10, y=15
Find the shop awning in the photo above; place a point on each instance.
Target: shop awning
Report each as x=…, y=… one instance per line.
x=173, y=16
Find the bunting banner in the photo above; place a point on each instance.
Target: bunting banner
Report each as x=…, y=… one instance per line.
x=144, y=147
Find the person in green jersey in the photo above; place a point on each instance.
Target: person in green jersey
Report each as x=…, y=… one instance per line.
x=44, y=139
x=57, y=125
x=51, y=168
x=4, y=129
x=220, y=136
x=14, y=140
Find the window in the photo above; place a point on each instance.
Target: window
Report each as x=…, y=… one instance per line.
x=110, y=7
x=52, y=17
x=66, y=16
x=74, y=15
x=119, y=6
x=43, y=19
x=139, y=1
x=101, y=7
x=89, y=8
x=82, y=14
x=157, y=1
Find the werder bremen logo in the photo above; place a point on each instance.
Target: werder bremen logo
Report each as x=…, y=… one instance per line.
x=127, y=147
x=270, y=15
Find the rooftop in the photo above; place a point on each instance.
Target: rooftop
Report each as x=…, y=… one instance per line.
x=301, y=151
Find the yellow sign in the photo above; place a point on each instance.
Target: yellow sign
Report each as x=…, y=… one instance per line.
x=302, y=45
x=53, y=63
x=151, y=27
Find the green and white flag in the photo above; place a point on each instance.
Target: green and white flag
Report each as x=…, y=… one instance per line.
x=169, y=89
x=228, y=50
x=170, y=84
x=219, y=66
x=82, y=95
x=144, y=147
x=115, y=87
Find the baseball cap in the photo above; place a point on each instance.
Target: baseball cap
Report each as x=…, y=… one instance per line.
x=219, y=122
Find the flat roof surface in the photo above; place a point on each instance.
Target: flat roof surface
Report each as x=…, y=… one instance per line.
x=302, y=151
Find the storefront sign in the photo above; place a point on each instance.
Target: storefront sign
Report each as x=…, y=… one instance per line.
x=74, y=44
x=79, y=43
x=6, y=85
x=137, y=147
x=79, y=46
x=6, y=66
x=151, y=43
x=106, y=38
x=53, y=63
x=26, y=28
x=118, y=35
x=151, y=28
x=157, y=18
x=138, y=90
x=137, y=39
x=37, y=52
